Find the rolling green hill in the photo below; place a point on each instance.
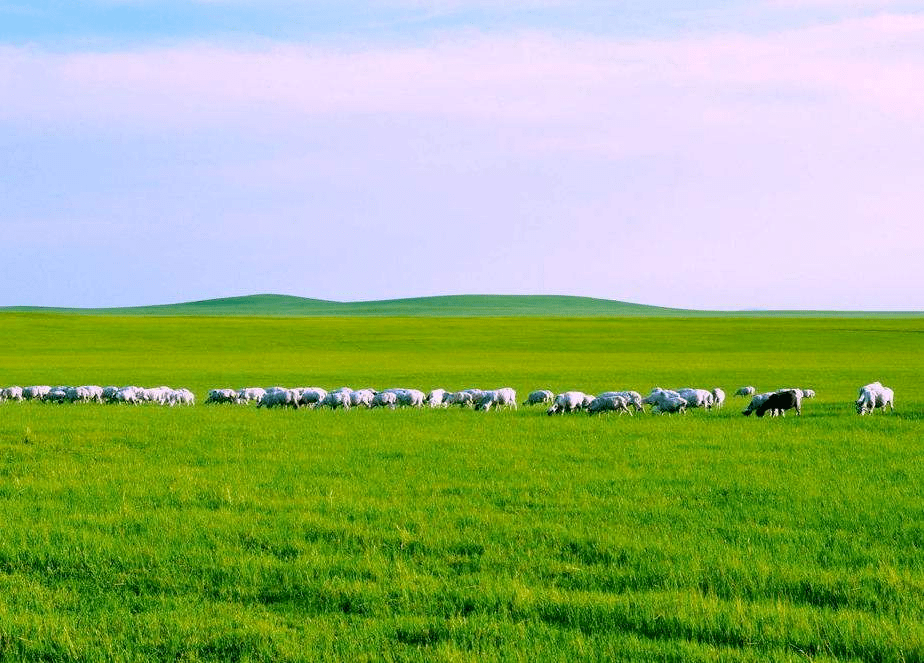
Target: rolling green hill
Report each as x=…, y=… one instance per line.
x=443, y=306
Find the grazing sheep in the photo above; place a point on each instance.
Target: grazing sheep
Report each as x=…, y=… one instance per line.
x=180, y=397
x=56, y=395
x=696, y=397
x=460, y=398
x=361, y=397
x=503, y=397
x=539, y=397
x=312, y=396
x=608, y=404
x=756, y=401
x=222, y=396
x=127, y=394
x=250, y=394
x=37, y=392
x=746, y=391
x=632, y=398
x=779, y=402
x=874, y=396
x=718, y=397
x=387, y=399
x=335, y=399
x=670, y=405
x=437, y=398
x=11, y=394
x=410, y=397
x=280, y=396
x=569, y=401
x=658, y=395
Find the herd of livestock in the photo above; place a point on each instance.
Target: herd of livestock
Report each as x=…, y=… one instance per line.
x=870, y=398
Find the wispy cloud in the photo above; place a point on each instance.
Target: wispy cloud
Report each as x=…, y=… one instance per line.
x=873, y=63
x=722, y=154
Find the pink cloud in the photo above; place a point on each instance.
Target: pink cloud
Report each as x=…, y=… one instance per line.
x=525, y=78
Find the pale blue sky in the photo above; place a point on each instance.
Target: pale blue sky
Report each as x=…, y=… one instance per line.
x=730, y=155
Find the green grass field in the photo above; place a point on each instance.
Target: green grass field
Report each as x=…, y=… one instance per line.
x=227, y=533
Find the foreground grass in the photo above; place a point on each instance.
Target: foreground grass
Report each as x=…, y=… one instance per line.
x=218, y=533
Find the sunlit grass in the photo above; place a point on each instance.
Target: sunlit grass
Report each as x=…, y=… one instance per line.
x=224, y=533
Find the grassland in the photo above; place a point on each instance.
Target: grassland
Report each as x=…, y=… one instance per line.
x=221, y=533
x=443, y=306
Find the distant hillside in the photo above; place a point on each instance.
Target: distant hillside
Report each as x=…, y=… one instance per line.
x=445, y=306
x=449, y=305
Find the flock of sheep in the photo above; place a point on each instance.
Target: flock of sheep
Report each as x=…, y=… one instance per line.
x=95, y=394
x=871, y=397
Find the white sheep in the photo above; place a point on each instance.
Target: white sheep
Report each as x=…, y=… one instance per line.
x=611, y=403
x=280, y=396
x=632, y=398
x=539, y=397
x=250, y=394
x=437, y=398
x=874, y=396
x=37, y=392
x=385, y=399
x=569, y=401
x=362, y=397
x=219, y=396
x=503, y=397
x=11, y=394
x=312, y=396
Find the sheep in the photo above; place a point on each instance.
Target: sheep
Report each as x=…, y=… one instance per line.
x=37, y=392
x=779, y=402
x=569, y=401
x=808, y=393
x=280, y=396
x=335, y=399
x=539, y=397
x=718, y=397
x=874, y=396
x=657, y=394
x=410, y=397
x=460, y=398
x=56, y=395
x=756, y=401
x=696, y=397
x=180, y=397
x=387, y=399
x=670, y=404
x=503, y=397
x=160, y=395
x=362, y=397
x=632, y=398
x=127, y=394
x=11, y=394
x=608, y=404
x=222, y=396
x=312, y=396
x=746, y=391
x=437, y=398
x=84, y=394
x=250, y=394
x=665, y=400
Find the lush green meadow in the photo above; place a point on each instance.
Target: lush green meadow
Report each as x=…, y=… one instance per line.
x=231, y=533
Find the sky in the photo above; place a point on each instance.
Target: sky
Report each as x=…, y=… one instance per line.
x=723, y=154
